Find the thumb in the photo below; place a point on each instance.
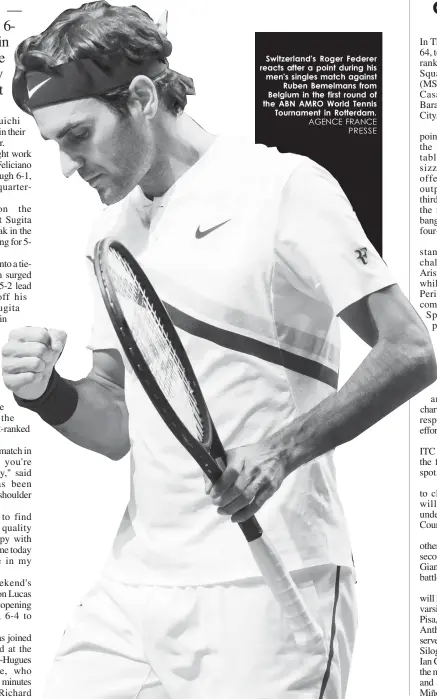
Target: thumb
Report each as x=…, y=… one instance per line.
x=208, y=483
x=161, y=23
x=58, y=338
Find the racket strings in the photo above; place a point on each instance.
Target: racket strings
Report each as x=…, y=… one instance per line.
x=154, y=344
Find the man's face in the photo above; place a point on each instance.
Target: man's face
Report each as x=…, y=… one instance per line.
x=111, y=152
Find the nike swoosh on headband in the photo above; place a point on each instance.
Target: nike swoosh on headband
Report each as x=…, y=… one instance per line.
x=34, y=89
x=202, y=234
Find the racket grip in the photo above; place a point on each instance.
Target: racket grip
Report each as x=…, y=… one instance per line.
x=251, y=529
x=305, y=630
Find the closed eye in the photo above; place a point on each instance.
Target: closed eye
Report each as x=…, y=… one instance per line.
x=76, y=136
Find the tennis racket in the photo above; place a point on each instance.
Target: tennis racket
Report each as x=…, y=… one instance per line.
x=160, y=363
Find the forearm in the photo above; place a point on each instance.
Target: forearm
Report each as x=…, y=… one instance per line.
x=392, y=373
x=100, y=421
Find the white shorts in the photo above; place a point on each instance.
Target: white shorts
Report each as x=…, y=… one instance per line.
x=224, y=641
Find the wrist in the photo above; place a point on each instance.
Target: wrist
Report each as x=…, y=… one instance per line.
x=58, y=402
x=301, y=447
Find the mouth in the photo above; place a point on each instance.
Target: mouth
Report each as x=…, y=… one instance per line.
x=92, y=181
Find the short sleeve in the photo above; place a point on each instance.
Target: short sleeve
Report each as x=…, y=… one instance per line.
x=322, y=242
x=102, y=334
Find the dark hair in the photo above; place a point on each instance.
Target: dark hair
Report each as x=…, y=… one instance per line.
x=93, y=30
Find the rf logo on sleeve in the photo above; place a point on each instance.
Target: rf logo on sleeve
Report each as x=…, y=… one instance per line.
x=362, y=255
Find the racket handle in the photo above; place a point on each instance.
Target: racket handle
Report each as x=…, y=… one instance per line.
x=251, y=529
x=305, y=630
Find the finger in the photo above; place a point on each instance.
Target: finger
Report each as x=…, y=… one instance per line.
x=58, y=339
x=226, y=481
x=162, y=22
x=221, y=463
x=253, y=507
x=240, y=495
x=208, y=483
x=26, y=349
x=232, y=493
x=247, y=485
x=19, y=365
x=16, y=381
x=30, y=334
x=239, y=503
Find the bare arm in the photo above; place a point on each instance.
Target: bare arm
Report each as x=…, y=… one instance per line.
x=100, y=422
x=400, y=364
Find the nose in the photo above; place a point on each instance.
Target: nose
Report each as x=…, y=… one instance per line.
x=69, y=165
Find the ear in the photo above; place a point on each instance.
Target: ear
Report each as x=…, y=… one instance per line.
x=161, y=23
x=142, y=93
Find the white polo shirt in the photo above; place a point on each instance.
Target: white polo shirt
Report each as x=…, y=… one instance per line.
x=254, y=254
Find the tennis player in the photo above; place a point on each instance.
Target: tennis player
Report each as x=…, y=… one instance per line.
x=258, y=254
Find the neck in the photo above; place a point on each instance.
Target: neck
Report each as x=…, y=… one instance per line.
x=184, y=142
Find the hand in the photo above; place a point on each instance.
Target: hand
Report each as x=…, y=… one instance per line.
x=253, y=474
x=28, y=359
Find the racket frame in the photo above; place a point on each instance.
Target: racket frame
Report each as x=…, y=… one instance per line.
x=209, y=452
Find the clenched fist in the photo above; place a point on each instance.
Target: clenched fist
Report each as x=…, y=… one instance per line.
x=28, y=359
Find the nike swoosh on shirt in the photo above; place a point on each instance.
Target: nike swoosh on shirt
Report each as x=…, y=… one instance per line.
x=34, y=89
x=202, y=234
